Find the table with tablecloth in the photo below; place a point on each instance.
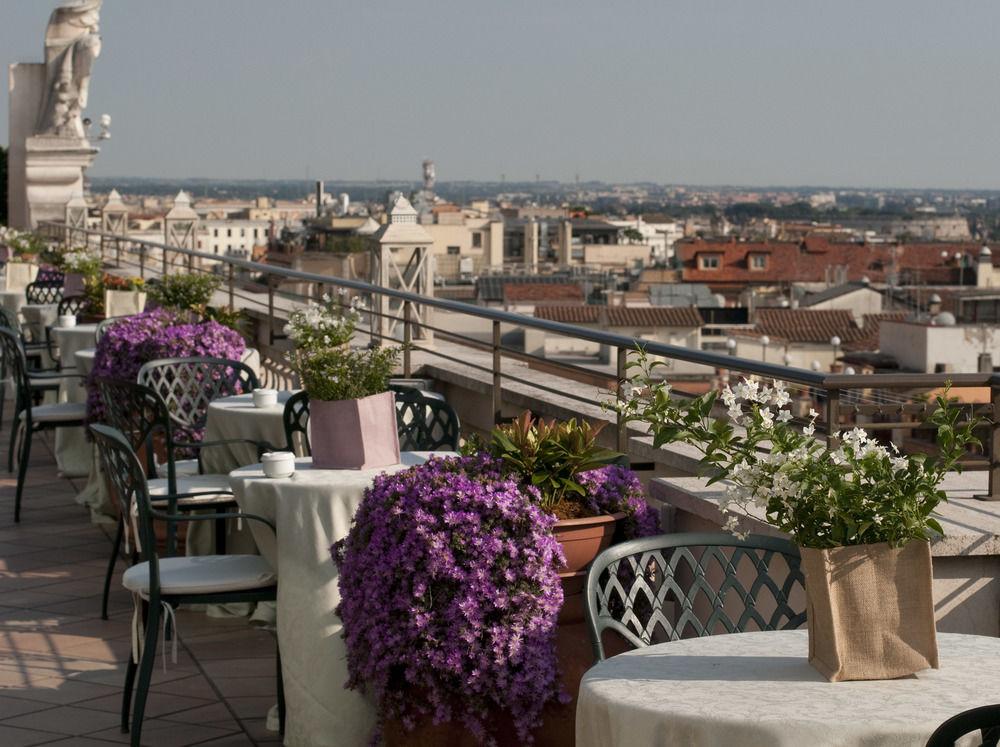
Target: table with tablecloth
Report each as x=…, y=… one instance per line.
x=758, y=690
x=238, y=418
x=312, y=509
x=74, y=453
x=12, y=301
x=37, y=318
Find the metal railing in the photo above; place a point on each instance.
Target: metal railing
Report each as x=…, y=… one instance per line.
x=872, y=401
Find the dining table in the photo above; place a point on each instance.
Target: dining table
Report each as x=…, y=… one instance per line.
x=74, y=452
x=237, y=417
x=311, y=510
x=37, y=318
x=758, y=690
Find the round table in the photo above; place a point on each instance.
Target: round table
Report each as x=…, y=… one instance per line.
x=84, y=360
x=74, y=454
x=236, y=417
x=312, y=509
x=758, y=690
x=37, y=318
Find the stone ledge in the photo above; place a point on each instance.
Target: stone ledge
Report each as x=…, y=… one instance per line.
x=972, y=526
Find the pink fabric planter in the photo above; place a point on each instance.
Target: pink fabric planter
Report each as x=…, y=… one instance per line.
x=72, y=284
x=354, y=433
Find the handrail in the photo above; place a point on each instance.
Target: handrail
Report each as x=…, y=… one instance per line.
x=835, y=393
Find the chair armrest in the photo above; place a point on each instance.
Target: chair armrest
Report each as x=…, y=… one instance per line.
x=175, y=518
x=52, y=374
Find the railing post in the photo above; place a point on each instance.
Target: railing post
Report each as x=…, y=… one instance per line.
x=118, y=252
x=832, y=416
x=190, y=263
x=497, y=388
x=621, y=422
x=407, y=338
x=165, y=260
x=270, y=312
x=142, y=261
x=994, y=487
x=232, y=273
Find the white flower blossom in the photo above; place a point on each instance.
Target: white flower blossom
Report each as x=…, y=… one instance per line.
x=784, y=416
x=728, y=397
x=809, y=429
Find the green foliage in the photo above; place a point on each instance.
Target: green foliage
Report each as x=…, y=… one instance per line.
x=634, y=235
x=857, y=493
x=27, y=245
x=185, y=292
x=347, y=244
x=550, y=455
x=94, y=287
x=340, y=373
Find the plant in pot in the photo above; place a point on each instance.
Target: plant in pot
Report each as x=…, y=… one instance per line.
x=862, y=514
x=352, y=412
x=112, y=295
x=449, y=596
x=193, y=294
x=80, y=267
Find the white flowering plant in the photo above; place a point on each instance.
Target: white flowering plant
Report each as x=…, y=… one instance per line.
x=323, y=326
x=82, y=261
x=858, y=493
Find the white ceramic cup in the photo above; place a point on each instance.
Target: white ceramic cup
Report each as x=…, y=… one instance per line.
x=67, y=320
x=278, y=464
x=265, y=397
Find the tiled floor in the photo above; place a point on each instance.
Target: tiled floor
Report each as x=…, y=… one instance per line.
x=62, y=667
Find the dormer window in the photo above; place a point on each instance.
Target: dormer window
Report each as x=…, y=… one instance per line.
x=758, y=261
x=709, y=261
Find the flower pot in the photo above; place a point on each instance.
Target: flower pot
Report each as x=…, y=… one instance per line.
x=354, y=433
x=19, y=274
x=583, y=539
x=870, y=611
x=123, y=303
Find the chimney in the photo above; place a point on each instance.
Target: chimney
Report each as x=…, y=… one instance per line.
x=319, y=197
x=984, y=268
x=934, y=305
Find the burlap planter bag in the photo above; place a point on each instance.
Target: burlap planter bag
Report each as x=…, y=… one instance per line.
x=870, y=611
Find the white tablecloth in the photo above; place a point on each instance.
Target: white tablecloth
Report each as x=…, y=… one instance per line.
x=758, y=690
x=12, y=301
x=74, y=454
x=37, y=317
x=312, y=509
x=236, y=417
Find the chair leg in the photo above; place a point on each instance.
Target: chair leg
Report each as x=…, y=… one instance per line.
x=220, y=536
x=14, y=426
x=145, y=672
x=281, y=689
x=22, y=472
x=115, y=550
x=130, y=678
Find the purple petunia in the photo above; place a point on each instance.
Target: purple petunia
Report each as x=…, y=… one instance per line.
x=449, y=597
x=612, y=489
x=130, y=342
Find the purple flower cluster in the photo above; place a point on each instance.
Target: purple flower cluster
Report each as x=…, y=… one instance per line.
x=612, y=489
x=449, y=597
x=130, y=342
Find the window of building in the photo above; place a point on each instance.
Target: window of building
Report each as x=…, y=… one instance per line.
x=229, y=232
x=216, y=233
x=758, y=261
x=255, y=233
x=477, y=240
x=709, y=261
x=454, y=250
x=243, y=233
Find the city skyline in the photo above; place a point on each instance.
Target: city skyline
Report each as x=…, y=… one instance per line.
x=894, y=96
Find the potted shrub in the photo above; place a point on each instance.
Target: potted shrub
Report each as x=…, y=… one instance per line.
x=449, y=596
x=79, y=267
x=112, y=295
x=862, y=513
x=193, y=293
x=352, y=413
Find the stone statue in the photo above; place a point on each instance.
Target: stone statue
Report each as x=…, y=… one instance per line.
x=72, y=43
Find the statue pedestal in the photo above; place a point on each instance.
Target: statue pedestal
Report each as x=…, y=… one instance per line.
x=53, y=173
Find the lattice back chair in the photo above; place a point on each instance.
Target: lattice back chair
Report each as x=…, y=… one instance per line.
x=141, y=415
x=296, y=421
x=40, y=381
x=164, y=583
x=30, y=418
x=43, y=293
x=425, y=423
x=73, y=305
x=188, y=386
x=984, y=719
x=677, y=586
x=104, y=324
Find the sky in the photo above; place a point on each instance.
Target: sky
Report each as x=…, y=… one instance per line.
x=892, y=93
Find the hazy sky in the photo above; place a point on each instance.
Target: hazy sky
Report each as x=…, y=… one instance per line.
x=853, y=92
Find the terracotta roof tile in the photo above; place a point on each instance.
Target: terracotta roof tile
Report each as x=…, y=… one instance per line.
x=623, y=316
x=554, y=292
x=808, y=325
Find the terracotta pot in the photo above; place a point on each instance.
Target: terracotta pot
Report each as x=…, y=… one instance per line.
x=583, y=539
x=354, y=433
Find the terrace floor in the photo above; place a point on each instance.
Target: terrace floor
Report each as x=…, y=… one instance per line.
x=62, y=667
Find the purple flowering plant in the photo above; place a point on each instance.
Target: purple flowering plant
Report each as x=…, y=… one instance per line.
x=130, y=342
x=450, y=595
x=615, y=488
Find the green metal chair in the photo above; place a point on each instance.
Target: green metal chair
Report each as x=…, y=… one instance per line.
x=164, y=583
x=714, y=582
x=43, y=293
x=985, y=720
x=142, y=416
x=425, y=423
x=30, y=418
x=295, y=418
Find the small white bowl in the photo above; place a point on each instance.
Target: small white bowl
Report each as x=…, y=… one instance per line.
x=265, y=397
x=278, y=464
x=66, y=321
